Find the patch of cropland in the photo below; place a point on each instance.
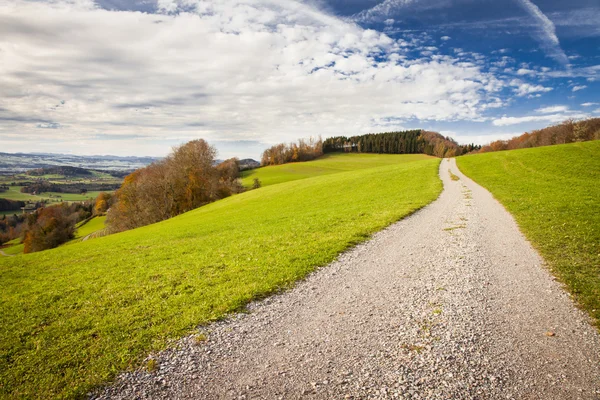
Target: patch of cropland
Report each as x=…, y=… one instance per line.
x=553, y=194
x=73, y=317
x=325, y=165
x=15, y=193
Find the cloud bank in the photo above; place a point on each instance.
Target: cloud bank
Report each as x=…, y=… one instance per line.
x=233, y=70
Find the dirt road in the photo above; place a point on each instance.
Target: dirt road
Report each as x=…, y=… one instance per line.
x=450, y=303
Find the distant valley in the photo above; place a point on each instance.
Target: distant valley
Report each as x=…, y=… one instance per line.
x=11, y=163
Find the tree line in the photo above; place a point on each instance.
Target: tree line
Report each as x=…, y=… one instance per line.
x=60, y=170
x=47, y=227
x=11, y=205
x=304, y=150
x=184, y=180
x=568, y=131
x=400, y=142
x=43, y=186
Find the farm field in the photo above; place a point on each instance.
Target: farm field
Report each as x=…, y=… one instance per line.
x=553, y=194
x=14, y=193
x=325, y=165
x=77, y=315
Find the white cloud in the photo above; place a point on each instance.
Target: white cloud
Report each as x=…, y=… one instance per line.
x=550, y=118
x=525, y=71
x=552, y=109
x=479, y=139
x=445, y=38
x=268, y=70
x=578, y=88
x=589, y=104
x=523, y=89
x=548, y=35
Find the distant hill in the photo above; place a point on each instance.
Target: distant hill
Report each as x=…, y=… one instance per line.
x=248, y=163
x=62, y=170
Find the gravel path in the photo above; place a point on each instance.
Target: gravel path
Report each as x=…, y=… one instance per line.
x=5, y=255
x=451, y=302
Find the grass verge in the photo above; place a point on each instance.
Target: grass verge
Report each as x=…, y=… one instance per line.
x=553, y=194
x=75, y=316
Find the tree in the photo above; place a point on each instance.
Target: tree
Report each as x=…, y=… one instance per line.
x=256, y=183
x=51, y=227
x=102, y=203
x=186, y=179
x=301, y=151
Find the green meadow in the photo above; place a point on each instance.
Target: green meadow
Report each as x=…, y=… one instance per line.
x=15, y=249
x=325, y=165
x=93, y=225
x=75, y=316
x=553, y=192
x=14, y=193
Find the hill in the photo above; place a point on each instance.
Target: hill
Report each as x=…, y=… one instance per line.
x=75, y=316
x=61, y=170
x=248, y=163
x=325, y=165
x=553, y=194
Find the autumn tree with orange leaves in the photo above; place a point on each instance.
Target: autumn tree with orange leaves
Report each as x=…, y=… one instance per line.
x=186, y=179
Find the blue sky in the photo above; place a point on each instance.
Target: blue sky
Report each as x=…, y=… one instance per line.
x=135, y=77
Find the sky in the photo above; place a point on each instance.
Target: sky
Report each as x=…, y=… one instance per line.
x=137, y=77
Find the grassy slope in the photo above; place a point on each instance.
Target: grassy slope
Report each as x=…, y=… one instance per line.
x=553, y=193
x=14, y=250
x=94, y=225
x=73, y=317
x=325, y=165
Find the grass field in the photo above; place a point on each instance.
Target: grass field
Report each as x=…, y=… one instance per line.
x=14, y=249
x=94, y=225
x=325, y=165
x=75, y=316
x=553, y=193
x=14, y=193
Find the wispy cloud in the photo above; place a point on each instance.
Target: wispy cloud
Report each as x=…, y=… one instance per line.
x=589, y=104
x=552, y=109
x=548, y=32
x=578, y=88
x=382, y=11
x=48, y=125
x=388, y=9
x=549, y=118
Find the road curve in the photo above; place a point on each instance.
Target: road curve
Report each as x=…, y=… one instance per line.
x=451, y=302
